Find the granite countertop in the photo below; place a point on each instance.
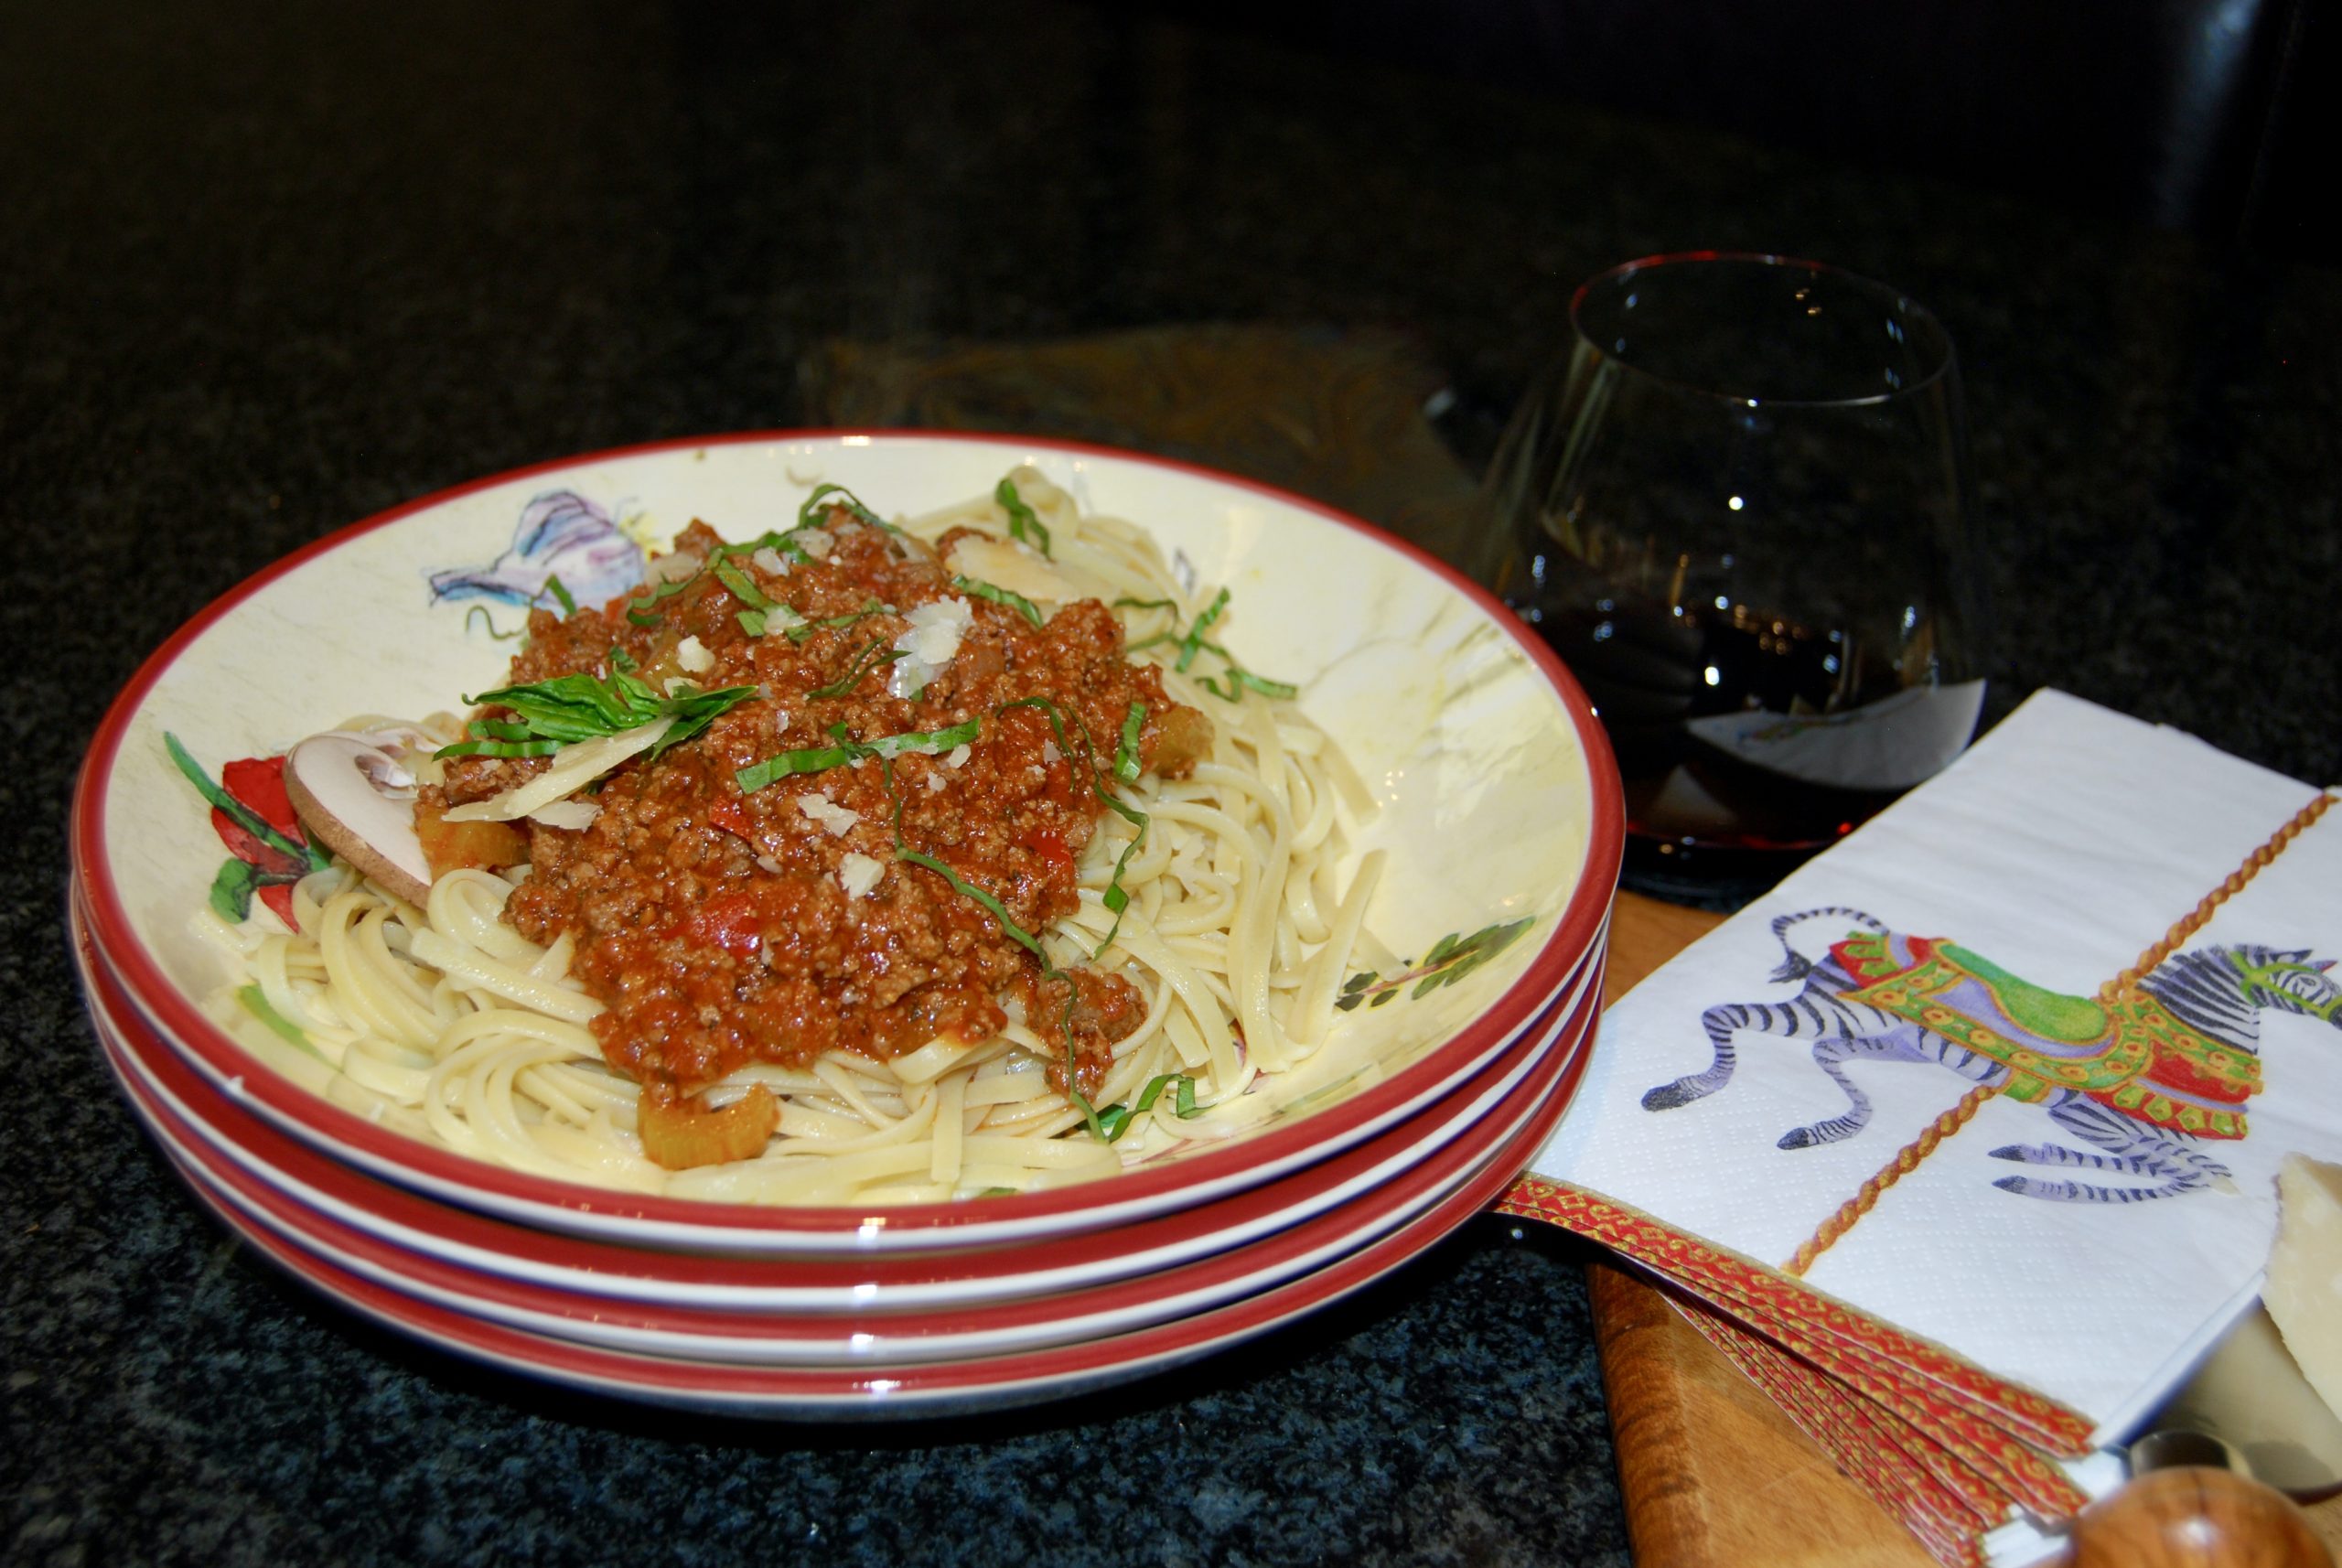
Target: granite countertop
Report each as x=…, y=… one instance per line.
x=272, y=269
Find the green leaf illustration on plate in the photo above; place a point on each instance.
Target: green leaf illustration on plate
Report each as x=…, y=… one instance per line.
x=1450, y=959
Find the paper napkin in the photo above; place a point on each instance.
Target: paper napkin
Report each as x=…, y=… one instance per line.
x=2044, y=1253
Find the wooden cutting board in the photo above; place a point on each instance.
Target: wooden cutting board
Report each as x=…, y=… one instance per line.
x=1712, y=1473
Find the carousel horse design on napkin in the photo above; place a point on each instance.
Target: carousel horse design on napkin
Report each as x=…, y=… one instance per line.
x=2144, y=1076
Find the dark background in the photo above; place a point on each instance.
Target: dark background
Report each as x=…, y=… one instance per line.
x=269, y=270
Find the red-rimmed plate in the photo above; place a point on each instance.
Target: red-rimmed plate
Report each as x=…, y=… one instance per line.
x=867, y=1337
x=931, y=1389
x=1498, y=799
x=1357, y=1183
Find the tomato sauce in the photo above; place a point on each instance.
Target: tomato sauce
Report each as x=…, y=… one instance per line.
x=722, y=926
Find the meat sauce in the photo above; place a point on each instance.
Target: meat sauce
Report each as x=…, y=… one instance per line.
x=720, y=925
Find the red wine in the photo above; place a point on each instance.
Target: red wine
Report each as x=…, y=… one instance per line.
x=1748, y=742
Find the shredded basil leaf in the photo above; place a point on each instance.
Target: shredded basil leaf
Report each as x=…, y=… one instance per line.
x=505, y=748
x=817, y=758
x=644, y=610
x=992, y=905
x=1193, y=643
x=777, y=618
x=999, y=596
x=1116, y=898
x=256, y=1003
x=782, y=544
x=570, y=708
x=805, y=628
x=1115, y=1120
x=1236, y=676
x=998, y=911
x=925, y=742
x=1231, y=684
x=847, y=500
x=1126, y=767
x=810, y=760
x=561, y=595
x=862, y=663
x=742, y=588
x=1022, y=520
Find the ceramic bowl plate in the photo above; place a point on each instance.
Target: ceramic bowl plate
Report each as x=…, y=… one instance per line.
x=1352, y=1187
x=863, y=1337
x=933, y=1389
x=1498, y=800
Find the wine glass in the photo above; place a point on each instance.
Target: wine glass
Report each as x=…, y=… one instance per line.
x=1738, y=510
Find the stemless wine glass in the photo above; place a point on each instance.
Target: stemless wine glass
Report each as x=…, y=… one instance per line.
x=1738, y=510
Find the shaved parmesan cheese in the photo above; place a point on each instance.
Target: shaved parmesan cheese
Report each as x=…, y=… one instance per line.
x=693, y=656
x=2304, y=1289
x=858, y=873
x=934, y=782
x=837, y=819
x=815, y=542
x=930, y=644
x=959, y=758
x=771, y=562
x=670, y=568
x=1005, y=564
x=574, y=767
x=575, y=815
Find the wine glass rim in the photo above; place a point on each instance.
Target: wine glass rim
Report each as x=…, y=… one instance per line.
x=1944, y=368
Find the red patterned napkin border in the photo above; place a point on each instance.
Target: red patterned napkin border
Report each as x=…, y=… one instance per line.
x=1931, y=1512
x=1915, y=1378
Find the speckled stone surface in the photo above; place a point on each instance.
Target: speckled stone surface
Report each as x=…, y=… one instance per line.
x=270, y=269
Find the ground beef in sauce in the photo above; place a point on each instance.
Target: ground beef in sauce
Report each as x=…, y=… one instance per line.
x=715, y=924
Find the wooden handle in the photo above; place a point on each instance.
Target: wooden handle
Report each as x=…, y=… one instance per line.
x=2193, y=1517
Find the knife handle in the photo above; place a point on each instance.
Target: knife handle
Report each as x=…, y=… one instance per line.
x=2193, y=1517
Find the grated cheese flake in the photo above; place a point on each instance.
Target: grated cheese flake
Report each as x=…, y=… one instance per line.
x=838, y=820
x=573, y=815
x=929, y=644
x=858, y=873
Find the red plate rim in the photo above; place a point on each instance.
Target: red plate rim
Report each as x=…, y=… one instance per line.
x=1574, y=931
x=861, y=1338
x=635, y=1274
x=240, y=1082
x=816, y=1393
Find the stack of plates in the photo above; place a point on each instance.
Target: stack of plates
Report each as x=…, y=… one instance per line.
x=1497, y=803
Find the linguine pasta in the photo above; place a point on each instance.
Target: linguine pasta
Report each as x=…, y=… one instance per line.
x=1237, y=918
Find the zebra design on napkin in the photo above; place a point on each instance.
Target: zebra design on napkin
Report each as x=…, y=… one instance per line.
x=2140, y=1075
